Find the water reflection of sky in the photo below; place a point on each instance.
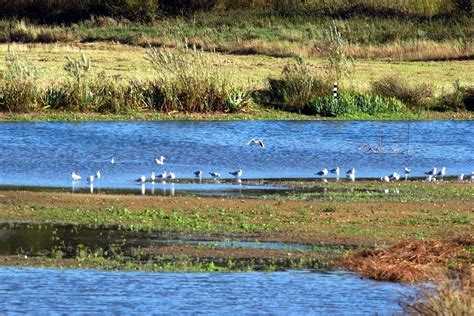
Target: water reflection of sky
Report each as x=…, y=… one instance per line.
x=46, y=153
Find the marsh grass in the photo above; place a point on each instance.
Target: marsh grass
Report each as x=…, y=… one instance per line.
x=18, y=90
x=447, y=294
x=418, y=97
x=353, y=103
x=188, y=80
x=298, y=84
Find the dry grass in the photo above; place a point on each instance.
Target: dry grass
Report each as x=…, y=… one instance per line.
x=447, y=295
x=409, y=261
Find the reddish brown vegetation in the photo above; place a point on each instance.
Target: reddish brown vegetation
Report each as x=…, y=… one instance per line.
x=409, y=261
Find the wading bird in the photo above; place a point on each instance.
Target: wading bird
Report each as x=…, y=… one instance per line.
x=198, y=173
x=441, y=173
x=142, y=179
x=75, y=177
x=171, y=175
x=322, y=173
x=237, y=173
x=432, y=172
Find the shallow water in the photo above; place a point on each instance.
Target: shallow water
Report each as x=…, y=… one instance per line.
x=44, y=154
x=45, y=291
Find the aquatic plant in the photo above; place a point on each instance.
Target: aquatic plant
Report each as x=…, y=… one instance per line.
x=354, y=103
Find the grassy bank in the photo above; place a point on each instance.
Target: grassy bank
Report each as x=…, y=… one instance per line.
x=122, y=81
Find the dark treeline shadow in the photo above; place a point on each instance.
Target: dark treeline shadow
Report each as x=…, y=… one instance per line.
x=66, y=11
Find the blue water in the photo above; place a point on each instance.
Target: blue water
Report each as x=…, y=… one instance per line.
x=44, y=154
x=45, y=291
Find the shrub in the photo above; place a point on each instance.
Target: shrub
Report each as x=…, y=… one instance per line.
x=187, y=80
x=297, y=86
x=80, y=96
x=415, y=96
x=19, y=89
x=354, y=103
x=462, y=98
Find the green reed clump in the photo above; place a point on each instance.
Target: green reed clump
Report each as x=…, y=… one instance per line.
x=117, y=97
x=297, y=85
x=188, y=80
x=81, y=97
x=353, y=103
x=18, y=90
x=394, y=86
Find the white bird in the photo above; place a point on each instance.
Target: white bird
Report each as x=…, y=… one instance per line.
x=152, y=176
x=335, y=170
x=461, y=177
x=142, y=179
x=407, y=171
x=351, y=171
x=254, y=141
x=394, y=176
x=322, y=173
x=351, y=176
x=90, y=179
x=429, y=178
x=432, y=172
x=162, y=175
x=385, y=179
x=97, y=175
x=75, y=177
x=237, y=173
x=442, y=172
x=160, y=161
x=198, y=173
x=215, y=175
x=112, y=160
x=472, y=176
x=171, y=175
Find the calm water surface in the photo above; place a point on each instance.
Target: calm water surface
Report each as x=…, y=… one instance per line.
x=45, y=291
x=44, y=154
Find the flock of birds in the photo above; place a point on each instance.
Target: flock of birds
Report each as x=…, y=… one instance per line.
x=431, y=175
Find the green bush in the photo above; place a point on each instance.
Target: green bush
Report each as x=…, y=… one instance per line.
x=460, y=99
x=352, y=104
x=415, y=96
x=298, y=84
x=18, y=91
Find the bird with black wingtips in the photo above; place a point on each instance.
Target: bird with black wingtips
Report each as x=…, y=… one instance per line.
x=322, y=173
x=198, y=173
x=335, y=171
x=215, y=175
x=441, y=173
x=432, y=172
x=237, y=173
x=142, y=179
x=258, y=142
